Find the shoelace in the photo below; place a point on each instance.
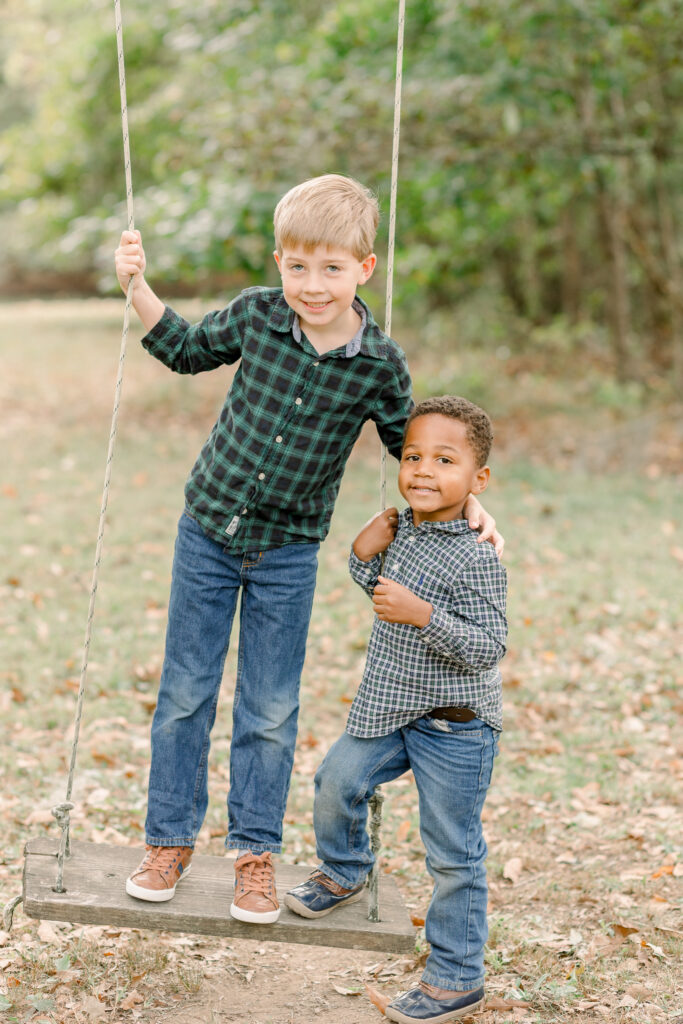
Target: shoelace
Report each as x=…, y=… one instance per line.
x=163, y=858
x=256, y=875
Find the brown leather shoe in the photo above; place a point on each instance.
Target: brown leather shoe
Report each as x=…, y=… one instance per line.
x=255, y=898
x=159, y=872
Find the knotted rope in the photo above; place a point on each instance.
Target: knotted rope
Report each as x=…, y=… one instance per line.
x=62, y=811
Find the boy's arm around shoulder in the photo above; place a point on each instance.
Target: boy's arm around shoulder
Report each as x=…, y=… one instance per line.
x=473, y=630
x=394, y=401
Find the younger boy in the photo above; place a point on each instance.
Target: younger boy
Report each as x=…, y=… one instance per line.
x=430, y=701
x=314, y=366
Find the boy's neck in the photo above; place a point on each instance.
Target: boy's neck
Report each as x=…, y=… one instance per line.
x=423, y=517
x=325, y=339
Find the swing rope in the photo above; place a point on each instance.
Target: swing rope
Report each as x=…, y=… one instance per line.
x=62, y=811
x=392, y=218
x=376, y=800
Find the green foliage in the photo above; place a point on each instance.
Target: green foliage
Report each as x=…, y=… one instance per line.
x=538, y=139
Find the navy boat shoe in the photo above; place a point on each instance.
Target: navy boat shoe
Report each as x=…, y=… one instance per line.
x=416, y=1007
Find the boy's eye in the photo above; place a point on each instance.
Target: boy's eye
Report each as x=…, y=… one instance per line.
x=296, y=266
x=333, y=268
x=412, y=458
x=444, y=458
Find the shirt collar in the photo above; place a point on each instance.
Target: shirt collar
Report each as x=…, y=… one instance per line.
x=368, y=339
x=456, y=526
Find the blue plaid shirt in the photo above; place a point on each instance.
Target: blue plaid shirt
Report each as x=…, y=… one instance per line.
x=453, y=660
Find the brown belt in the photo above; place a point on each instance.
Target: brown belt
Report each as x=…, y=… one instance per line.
x=453, y=714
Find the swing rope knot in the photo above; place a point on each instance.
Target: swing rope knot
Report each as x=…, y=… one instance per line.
x=61, y=813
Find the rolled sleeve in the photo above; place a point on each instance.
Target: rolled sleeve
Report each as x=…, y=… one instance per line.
x=192, y=348
x=365, y=573
x=474, y=636
x=453, y=637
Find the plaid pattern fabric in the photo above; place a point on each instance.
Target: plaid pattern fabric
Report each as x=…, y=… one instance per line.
x=270, y=470
x=453, y=660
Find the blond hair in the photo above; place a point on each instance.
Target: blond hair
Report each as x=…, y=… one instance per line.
x=329, y=210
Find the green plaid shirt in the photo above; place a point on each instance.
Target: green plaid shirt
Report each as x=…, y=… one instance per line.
x=270, y=471
x=453, y=660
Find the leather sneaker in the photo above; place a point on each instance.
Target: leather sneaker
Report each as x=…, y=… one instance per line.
x=255, y=899
x=319, y=895
x=417, y=1007
x=159, y=872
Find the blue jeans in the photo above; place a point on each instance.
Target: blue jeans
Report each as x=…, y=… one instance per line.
x=452, y=771
x=277, y=596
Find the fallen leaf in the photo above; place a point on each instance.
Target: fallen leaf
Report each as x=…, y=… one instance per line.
x=513, y=869
x=403, y=830
x=666, y=869
x=344, y=991
x=47, y=933
x=417, y=920
x=496, y=1003
x=377, y=999
x=132, y=999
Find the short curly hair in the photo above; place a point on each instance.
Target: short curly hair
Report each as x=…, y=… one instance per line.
x=479, y=432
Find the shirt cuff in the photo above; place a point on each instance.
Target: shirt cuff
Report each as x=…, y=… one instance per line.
x=442, y=637
x=170, y=320
x=364, y=572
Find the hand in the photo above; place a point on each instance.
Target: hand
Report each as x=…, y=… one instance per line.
x=479, y=519
x=376, y=535
x=395, y=603
x=129, y=258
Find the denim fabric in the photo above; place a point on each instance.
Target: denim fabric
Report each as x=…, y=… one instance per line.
x=277, y=596
x=452, y=768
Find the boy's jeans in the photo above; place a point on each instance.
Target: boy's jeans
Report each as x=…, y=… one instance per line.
x=452, y=770
x=277, y=597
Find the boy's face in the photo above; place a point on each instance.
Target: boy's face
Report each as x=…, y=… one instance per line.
x=438, y=468
x=320, y=284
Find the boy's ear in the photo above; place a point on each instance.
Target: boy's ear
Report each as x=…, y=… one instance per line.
x=367, y=267
x=481, y=480
x=276, y=255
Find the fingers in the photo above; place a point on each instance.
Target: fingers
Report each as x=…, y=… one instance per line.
x=493, y=537
x=129, y=258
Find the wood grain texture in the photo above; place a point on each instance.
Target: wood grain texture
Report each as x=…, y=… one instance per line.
x=94, y=879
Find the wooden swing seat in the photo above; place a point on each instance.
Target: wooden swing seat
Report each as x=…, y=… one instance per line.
x=94, y=880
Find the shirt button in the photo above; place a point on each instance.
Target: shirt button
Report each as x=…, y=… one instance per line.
x=396, y=565
x=262, y=476
x=244, y=511
x=317, y=363
x=298, y=401
x=278, y=439
x=411, y=540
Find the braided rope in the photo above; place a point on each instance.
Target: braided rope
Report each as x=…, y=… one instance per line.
x=61, y=812
x=392, y=218
x=377, y=798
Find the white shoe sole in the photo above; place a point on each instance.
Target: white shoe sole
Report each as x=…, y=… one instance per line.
x=270, y=917
x=154, y=895
x=303, y=911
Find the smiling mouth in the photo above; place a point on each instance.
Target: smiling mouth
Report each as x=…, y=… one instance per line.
x=424, y=490
x=315, y=305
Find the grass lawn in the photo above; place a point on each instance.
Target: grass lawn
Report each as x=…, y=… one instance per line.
x=584, y=819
